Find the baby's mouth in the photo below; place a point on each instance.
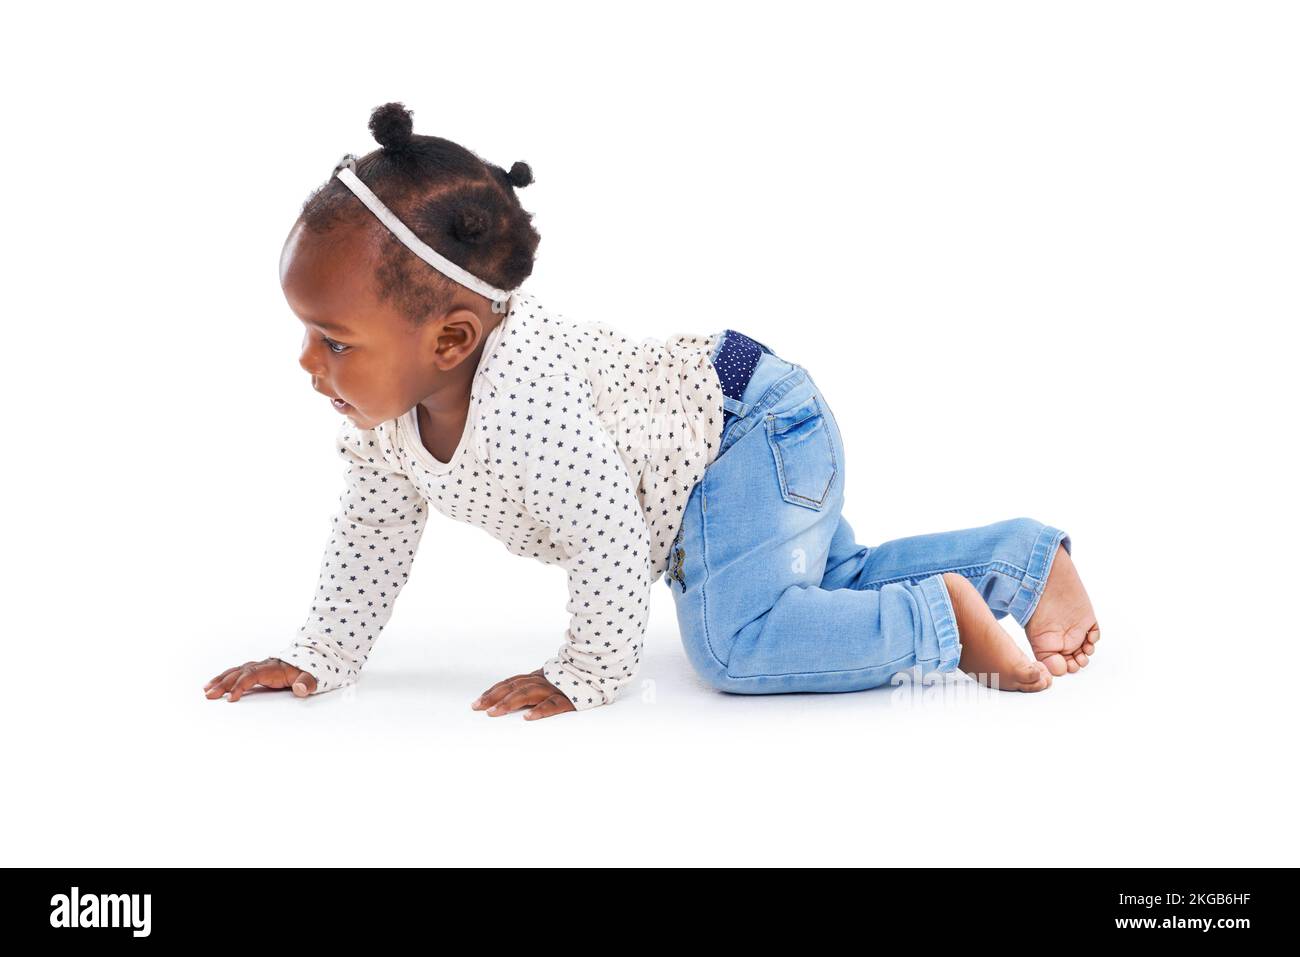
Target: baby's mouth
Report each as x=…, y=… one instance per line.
x=340, y=404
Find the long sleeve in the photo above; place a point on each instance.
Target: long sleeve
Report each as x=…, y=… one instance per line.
x=549, y=449
x=373, y=540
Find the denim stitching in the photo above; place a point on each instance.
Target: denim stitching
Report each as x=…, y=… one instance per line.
x=1004, y=568
x=923, y=603
x=1040, y=584
x=780, y=462
x=704, y=566
x=776, y=390
x=835, y=671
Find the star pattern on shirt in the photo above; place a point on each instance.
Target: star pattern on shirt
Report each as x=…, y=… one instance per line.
x=581, y=450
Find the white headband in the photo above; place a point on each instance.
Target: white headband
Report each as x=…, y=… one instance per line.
x=346, y=171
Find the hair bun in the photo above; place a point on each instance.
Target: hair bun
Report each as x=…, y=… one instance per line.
x=471, y=225
x=390, y=125
x=520, y=175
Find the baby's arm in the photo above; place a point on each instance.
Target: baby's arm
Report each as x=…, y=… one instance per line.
x=562, y=465
x=374, y=536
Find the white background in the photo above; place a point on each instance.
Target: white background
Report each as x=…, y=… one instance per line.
x=1041, y=258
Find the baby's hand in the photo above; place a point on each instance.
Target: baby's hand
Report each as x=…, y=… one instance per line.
x=523, y=691
x=270, y=673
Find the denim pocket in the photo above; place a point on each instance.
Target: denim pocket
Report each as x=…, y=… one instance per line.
x=805, y=458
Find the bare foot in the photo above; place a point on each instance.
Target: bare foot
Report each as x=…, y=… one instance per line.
x=1063, y=630
x=986, y=649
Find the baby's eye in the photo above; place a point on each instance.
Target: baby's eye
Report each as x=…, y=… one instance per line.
x=341, y=348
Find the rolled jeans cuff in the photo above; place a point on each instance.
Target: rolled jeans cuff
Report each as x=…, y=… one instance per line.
x=1035, y=580
x=940, y=640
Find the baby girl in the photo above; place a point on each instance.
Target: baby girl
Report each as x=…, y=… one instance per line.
x=706, y=460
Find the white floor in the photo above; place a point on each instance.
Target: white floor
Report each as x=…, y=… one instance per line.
x=1151, y=755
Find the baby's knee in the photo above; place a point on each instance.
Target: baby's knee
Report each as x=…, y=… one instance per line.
x=1024, y=532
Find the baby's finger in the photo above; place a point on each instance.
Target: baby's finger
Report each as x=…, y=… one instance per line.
x=247, y=679
x=239, y=669
x=225, y=684
x=488, y=697
x=496, y=692
x=557, y=703
x=221, y=677
x=304, y=683
x=519, y=698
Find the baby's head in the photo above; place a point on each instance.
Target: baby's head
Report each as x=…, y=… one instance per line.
x=384, y=329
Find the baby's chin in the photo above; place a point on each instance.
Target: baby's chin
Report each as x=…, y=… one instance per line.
x=355, y=416
x=363, y=419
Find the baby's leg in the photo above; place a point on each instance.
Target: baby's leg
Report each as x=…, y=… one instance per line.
x=773, y=595
x=988, y=653
x=751, y=551
x=1020, y=567
x=986, y=648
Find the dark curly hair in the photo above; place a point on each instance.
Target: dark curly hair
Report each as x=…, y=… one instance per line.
x=461, y=205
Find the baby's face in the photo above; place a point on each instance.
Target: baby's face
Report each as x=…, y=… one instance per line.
x=359, y=350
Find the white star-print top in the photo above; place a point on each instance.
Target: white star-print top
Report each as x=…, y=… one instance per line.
x=580, y=449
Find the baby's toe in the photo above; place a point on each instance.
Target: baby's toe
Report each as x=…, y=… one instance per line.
x=1033, y=676
x=1053, y=661
x=1045, y=676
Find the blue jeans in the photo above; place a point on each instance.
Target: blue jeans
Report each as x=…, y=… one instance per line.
x=774, y=594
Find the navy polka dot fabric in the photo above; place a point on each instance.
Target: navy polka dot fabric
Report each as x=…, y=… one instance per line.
x=735, y=363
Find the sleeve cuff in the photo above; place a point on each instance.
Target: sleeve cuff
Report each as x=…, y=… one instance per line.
x=575, y=686
x=315, y=657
